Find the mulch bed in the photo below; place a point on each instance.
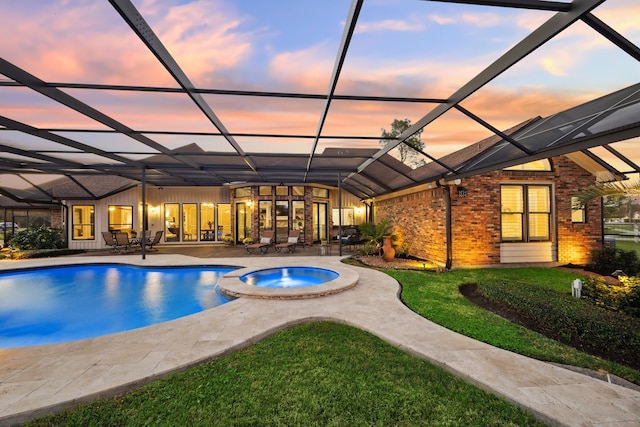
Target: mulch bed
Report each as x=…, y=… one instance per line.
x=396, y=263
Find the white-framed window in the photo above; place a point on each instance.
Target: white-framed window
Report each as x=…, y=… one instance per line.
x=120, y=218
x=578, y=215
x=525, y=212
x=536, y=166
x=347, y=216
x=83, y=222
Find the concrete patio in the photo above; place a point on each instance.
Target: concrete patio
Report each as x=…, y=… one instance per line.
x=37, y=380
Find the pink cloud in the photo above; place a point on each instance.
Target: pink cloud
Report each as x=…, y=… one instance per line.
x=622, y=15
x=89, y=42
x=482, y=19
x=202, y=42
x=476, y=19
x=389, y=25
x=77, y=41
x=304, y=70
x=530, y=20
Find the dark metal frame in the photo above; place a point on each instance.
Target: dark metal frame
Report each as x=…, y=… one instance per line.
x=199, y=168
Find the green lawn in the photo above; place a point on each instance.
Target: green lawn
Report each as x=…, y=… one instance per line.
x=328, y=374
x=435, y=296
x=628, y=245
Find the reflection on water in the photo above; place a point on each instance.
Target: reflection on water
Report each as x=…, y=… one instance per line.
x=153, y=295
x=112, y=282
x=68, y=303
x=207, y=278
x=289, y=277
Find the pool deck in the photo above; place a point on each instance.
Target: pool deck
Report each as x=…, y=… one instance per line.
x=37, y=380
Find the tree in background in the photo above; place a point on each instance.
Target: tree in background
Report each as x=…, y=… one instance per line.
x=621, y=207
x=407, y=155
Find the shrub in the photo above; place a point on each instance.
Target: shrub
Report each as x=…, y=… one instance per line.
x=607, y=260
x=370, y=248
x=576, y=321
x=624, y=296
x=372, y=235
x=403, y=250
x=41, y=253
x=631, y=301
x=41, y=237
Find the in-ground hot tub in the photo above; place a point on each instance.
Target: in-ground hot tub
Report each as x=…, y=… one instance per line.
x=287, y=282
x=289, y=277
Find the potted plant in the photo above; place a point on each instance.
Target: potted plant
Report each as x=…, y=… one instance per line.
x=375, y=235
x=247, y=241
x=228, y=240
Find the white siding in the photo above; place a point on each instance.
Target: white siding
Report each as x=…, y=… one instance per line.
x=349, y=200
x=528, y=252
x=156, y=198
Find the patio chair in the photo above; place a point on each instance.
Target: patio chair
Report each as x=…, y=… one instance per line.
x=121, y=242
x=109, y=239
x=351, y=238
x=263, y=244
x=151, y=243
x=291, y=242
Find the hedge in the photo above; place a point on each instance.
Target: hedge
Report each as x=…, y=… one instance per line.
x=624, y=296
x=576, y=321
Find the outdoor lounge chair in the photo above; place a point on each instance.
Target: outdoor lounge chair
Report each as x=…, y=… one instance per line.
x=291, y=242
x=263, y=244
x=121, y=242
x=351, y=238
x=149, y=243
x=108, y=239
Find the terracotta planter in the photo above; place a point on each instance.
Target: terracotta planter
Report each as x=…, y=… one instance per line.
x=387, y=250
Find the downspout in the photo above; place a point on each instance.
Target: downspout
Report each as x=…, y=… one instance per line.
x=65, y=225
x=447, y=199
x=145, y=214
x=339, y=215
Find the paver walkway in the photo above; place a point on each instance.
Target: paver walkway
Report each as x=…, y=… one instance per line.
x=37, y=380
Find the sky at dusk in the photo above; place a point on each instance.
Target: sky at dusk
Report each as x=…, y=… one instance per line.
x=400, y=48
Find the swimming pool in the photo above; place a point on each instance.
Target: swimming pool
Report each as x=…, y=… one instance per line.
x=59, y=304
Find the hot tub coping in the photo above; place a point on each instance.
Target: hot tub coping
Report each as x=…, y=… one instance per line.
x=231, y=285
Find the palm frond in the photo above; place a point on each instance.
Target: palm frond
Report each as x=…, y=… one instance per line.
x=606, y=189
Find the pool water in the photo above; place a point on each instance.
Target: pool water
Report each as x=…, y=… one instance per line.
x=289, y=277
x=59, y=304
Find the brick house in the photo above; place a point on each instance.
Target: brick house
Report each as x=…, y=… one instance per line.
x=516, y=215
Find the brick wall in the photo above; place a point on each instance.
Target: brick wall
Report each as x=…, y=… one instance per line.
x=475, y=221
x=418, y=221
x=419, y=218
x=56, y=218
x=575, y=241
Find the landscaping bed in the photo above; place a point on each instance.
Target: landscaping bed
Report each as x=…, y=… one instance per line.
x=620, y=345
x=602, y=346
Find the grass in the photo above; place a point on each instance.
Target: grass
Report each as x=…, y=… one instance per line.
x=314, y=374
x=329, y=374
x=628, y=245
x=435, y=296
